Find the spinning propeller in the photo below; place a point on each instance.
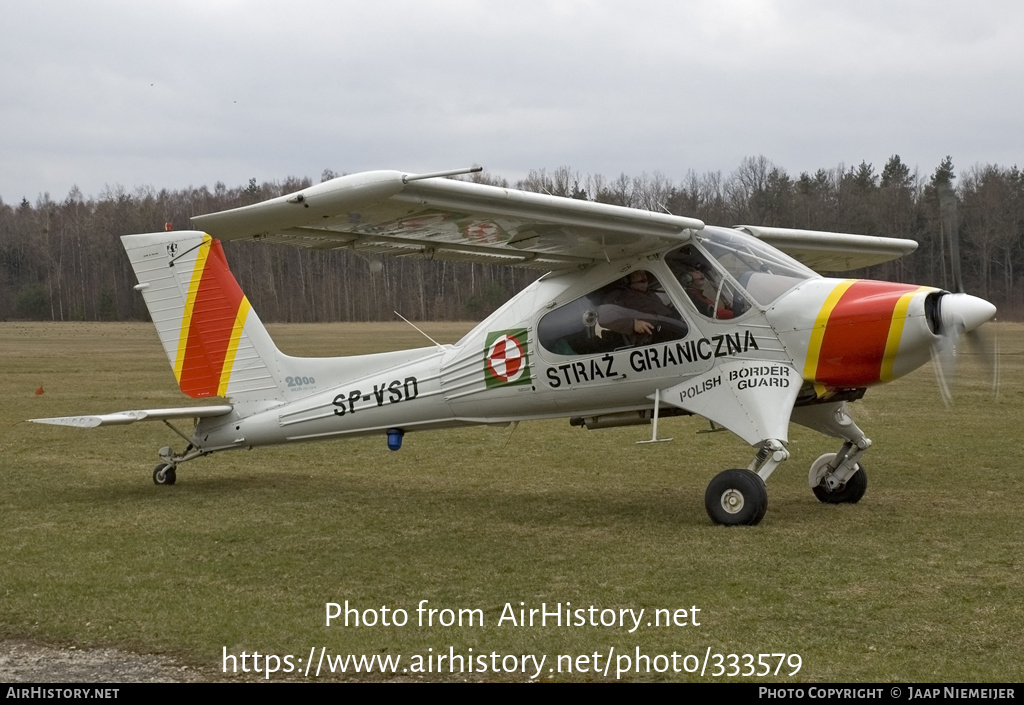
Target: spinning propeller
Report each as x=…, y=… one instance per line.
x=954, y=317
x=958, y=316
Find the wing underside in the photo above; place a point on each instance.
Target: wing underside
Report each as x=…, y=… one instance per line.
x=398, y=214
x=391, y=213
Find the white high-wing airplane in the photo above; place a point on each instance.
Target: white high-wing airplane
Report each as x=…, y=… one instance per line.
x=642, y=315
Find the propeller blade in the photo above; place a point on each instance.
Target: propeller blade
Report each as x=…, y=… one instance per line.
x=986, y=346
x=944, y=362
x=958, y=315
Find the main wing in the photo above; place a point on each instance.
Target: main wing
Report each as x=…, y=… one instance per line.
x=388, y=212
x=832, y=252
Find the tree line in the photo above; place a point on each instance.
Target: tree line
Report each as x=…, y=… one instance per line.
x=63, y=261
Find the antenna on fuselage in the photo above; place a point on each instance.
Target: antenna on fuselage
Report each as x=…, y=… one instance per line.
x=439, y=346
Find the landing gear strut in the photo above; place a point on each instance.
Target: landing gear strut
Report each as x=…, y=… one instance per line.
x=836, y=478
x=739, y=496
x=823, y=479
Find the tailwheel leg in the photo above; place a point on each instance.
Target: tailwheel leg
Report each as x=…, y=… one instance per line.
x=166, y=473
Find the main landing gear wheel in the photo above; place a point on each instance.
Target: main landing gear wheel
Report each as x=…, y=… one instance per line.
x=736, y=497
x=850, y=493
x=164, y=474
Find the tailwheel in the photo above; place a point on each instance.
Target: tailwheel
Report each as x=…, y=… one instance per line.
x=736, y=497
x=849, y=492
x=165, y=474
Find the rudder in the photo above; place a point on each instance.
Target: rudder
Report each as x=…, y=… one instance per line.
x=215, y=342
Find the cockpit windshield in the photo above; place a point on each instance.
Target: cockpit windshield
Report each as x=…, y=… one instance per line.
x=763, y=271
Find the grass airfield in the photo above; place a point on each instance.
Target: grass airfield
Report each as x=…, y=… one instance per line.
x=922, y=581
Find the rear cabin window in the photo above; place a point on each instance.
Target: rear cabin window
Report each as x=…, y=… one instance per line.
x=629, y=312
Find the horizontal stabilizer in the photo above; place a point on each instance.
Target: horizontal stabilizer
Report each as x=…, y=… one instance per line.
x=125, y=417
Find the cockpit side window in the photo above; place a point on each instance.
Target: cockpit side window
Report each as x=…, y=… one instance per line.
x=711, y=293
x=629, y=312
x=764, y=272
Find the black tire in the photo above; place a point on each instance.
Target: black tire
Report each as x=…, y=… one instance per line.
x=850, y=493
x=164, y=474
x=736, y=497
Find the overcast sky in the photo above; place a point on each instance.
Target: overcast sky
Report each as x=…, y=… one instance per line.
x=173, y=94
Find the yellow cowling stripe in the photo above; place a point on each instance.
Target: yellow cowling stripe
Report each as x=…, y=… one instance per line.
x=892, y=342
x=229, y=356
x=818, y=331
x=190, y=302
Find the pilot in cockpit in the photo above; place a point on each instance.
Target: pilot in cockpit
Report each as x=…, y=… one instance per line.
x=637, y=299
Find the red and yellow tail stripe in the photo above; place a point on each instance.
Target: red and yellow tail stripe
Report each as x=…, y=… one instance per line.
x=211, y=326
x=856, y=334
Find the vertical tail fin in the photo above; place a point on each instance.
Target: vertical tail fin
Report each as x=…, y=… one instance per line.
x=215, y=342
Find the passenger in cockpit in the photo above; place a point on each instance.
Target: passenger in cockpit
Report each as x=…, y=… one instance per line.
x=695, y=286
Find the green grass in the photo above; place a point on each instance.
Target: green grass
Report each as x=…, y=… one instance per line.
x=921, y=581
